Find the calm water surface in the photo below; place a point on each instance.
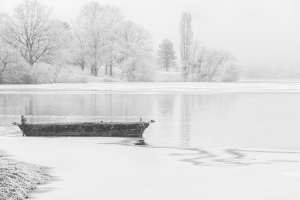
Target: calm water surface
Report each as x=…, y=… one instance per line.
x=254, y=115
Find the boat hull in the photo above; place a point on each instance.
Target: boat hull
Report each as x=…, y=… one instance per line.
x=104, y=129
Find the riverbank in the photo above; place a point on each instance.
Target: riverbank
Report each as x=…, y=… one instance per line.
x=114, y=168
x=18, y=179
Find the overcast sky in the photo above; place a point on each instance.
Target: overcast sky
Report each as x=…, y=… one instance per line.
x=260, y=33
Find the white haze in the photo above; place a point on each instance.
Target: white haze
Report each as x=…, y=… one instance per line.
x=263, y=34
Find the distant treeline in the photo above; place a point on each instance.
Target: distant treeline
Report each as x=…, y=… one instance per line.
x=36, y=47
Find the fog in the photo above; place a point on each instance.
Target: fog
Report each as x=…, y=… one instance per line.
x=262, y=34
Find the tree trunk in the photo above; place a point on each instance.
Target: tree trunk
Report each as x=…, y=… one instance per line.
x=122, y=73
x=110, y=71
x=31, y=61
x=82, y=67
x=96, y=71
x=167, y=65
x=92, y=69
x=106, y=66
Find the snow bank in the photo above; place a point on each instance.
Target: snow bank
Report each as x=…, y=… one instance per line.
x=17, y=179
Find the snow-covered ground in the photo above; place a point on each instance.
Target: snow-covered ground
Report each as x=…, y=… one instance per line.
x=113, y=168
x=17, y=178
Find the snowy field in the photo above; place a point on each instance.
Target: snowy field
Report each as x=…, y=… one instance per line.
x=114, y=168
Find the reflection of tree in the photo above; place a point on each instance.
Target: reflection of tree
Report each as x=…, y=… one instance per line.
x=185, y=122
x=166, y=104
x=104, y=105
x=29, y=107
x=3, y=105
x=94, y=104
x=125, y=103
x=81, y=105
x=165, y=115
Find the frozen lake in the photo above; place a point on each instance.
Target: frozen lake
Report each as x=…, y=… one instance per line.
x=201, y=115
x=228, y=140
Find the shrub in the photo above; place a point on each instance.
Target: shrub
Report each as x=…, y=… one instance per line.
x=43, y=73
x=230, y=72
x=139, y=70
x=68, y=74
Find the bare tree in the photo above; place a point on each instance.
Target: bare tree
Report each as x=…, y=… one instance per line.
x=8, y=58
x=135, y=48
x=91, y=16
x=113, y=23
x=133, y=40
x=200, y=63
x=215, y=61
x=195, y=60
x=33, y=31
x=186, y=38
x=79, y=46
x=212, y=65
x=231, y=71
x=98, y=22
x=200, y=67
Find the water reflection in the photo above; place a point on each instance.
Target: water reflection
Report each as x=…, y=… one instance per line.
x=185, y=120
x=186, y=106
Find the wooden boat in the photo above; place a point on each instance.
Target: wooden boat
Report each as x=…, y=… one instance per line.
x=87, y=129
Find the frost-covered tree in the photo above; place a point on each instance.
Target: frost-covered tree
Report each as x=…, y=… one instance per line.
x=114, y=24
x=62, y=56
x=98, y=23
x=102, y=38
x=8, y=58
x=186, y=43
x=166, y=55
x=79, y=51
x=90, y=17
x=200, y=63
x=215, y=61
x=135, y=52
x=197, y=61
x=213, y=65
x=33, y=31
x=230, y=72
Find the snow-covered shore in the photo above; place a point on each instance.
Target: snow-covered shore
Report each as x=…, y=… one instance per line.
x=113, y=168
x=17, y=179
